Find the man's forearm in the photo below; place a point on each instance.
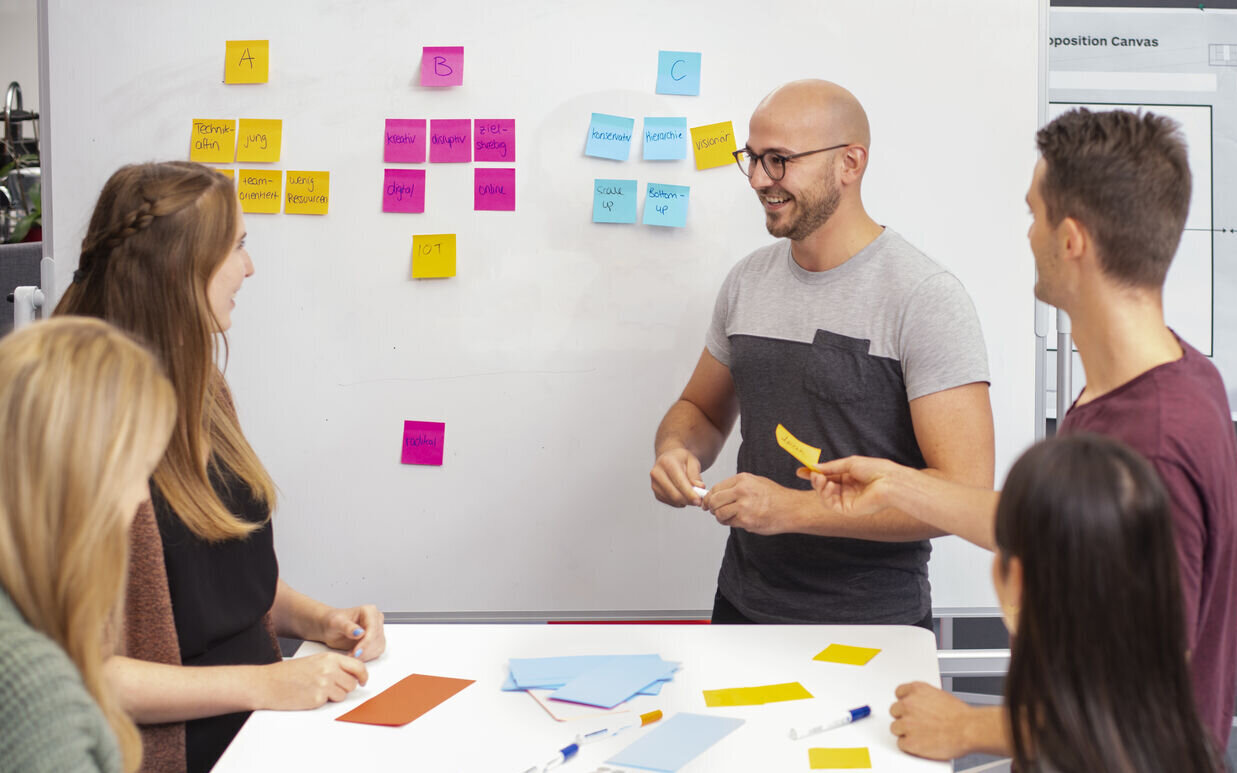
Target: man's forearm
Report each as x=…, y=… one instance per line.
x=950, y=507
x=686, y=426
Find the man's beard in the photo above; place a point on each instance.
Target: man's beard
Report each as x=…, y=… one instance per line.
x=814, y=212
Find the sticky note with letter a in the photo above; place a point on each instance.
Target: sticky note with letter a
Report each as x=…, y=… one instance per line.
x=212, y=141
x=248, y=61
x=714, y=145
x=806, y=454
x=259, y=140
x=258, y=190
x=307, y=193
x=433, y=256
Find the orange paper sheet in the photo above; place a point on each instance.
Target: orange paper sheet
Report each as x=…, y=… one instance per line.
x=405, y=700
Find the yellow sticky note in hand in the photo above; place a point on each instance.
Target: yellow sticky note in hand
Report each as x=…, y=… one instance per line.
x=259, y=140
x=307, y=193
x=212, y=141
x=839, y=759
x=714, y=145
x=433, y=256
x=806, y=454
x=258, y=190
x=248, y=61
x=846, y=654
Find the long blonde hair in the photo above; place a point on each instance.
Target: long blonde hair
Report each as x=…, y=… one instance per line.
x=81, y=408
x=158, y=234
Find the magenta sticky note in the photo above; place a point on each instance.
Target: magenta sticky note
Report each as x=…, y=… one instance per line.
x=423, y=442
x=494, y=140
x=404, y=141
x=450, y=140
x=403, y=190
x=494, y=189
x=442, y=66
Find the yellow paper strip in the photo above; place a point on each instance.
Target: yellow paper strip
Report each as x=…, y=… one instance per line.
x=756, y=696
x=212, y=141
x=846, y=654
x=247, y=61
x=258, y=190
x=307, y=193
x=839, y=759
x=259, y=140
x=806, y=454
x=433, y=256
x=713, y=144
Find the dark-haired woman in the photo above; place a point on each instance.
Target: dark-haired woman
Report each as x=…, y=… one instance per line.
x=163, y=259
x=1086, y=573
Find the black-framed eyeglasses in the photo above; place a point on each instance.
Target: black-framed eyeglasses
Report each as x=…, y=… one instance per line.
x=774, y=163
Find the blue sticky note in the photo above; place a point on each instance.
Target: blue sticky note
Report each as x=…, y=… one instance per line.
x=552, y=672
x=609, y=136
x=676, y=742
x=665, y=139
x=678, y=72
x=666, y=205
x=610, y=684
x=614, y=201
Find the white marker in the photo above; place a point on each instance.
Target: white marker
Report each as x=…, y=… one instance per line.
x=841, y=721
x=700, y=492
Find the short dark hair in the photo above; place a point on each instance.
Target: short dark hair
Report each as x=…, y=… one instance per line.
x=1125, y=177
x=1098, y=676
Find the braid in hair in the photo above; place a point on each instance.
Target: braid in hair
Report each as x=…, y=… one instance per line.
x=98, y=251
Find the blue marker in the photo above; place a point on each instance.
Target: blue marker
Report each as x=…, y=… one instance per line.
x=845, y=719
x=564, y=754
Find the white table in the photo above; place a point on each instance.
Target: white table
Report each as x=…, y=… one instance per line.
x=489, y=731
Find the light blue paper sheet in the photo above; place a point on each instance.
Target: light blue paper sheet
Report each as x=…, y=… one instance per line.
x=613, y=682
x=609, y=136
x=614, y=201
x=552, y=673
x=666, y=205
x=676, y=742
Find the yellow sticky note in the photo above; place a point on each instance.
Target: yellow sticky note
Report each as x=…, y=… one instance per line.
x=258, y=190
x=839, y=759
x=212, y=141
x=714, y=145
x=756, y=696
x=228, y=173
x=248, y=61
x=846, y=654
x=809, y=455
x=433, y=256
x=307, y=193
x=259, y=140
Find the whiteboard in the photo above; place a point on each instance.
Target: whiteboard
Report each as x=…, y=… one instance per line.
x=555, y=351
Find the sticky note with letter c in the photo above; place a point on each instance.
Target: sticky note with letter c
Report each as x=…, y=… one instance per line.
x=248, y=61
x=678, y=72
x=806, y=454
x=433, y=256
x=714, y=145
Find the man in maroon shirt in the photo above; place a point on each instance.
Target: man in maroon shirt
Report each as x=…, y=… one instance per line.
x=1109, y=198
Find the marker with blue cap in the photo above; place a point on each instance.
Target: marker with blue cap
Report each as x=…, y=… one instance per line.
x=847, y=718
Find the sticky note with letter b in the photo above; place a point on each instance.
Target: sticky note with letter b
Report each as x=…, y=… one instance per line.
x=809, y=455
x=248, y=61
x=442, y=65
x=433, y=256
x=714, y=145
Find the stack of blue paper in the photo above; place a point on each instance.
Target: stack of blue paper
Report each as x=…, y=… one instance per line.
x=594, y=680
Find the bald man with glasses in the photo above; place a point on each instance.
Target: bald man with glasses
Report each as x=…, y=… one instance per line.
x=855, y=341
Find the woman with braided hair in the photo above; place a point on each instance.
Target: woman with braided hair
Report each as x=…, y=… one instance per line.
x=163, y=258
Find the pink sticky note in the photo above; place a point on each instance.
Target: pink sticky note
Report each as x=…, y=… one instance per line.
x=403, y=190
x=494, y=189
x=442, y=66
x=404, y=141
x=494, y=140
x=450, y=140
x=423, y=442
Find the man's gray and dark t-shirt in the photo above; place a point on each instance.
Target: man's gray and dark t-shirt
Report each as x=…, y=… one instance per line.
x=836, y=356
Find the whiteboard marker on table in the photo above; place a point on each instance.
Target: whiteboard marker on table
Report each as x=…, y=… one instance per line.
x=845, y=719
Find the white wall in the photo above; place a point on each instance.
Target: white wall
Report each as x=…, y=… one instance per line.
x=19, y=49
